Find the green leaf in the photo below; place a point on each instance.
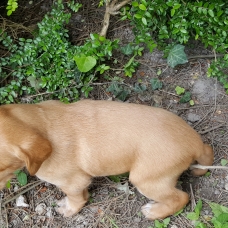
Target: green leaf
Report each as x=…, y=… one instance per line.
x=200, y=225
x=35, y=83
x=158, y=224
x=218, y=209
x=211, y=13
x=85, y=63
x=8, y=184
x=139, y=88
x=193, y=216
x=129, y=62
x=159, y=72
x=135, y=4
x=9, y=12
x=123, y=95
x=166, y=221
x=138, y=16
x=17, y=172
x=127, y=50
x=183, y=30
x=176, y=6
x=22, y=178
x=115, y=178
x=186, y=97
x=191, y=102
x=142, y=7
x=224, y=162
x=198, y=207
x=207, y=174
x=179, y=90
x=144, y=21
x=223, y=218
x=155, y=83
x=178, y=212
x=177, y=56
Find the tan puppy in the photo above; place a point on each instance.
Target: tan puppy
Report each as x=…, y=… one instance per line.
x=68, y=144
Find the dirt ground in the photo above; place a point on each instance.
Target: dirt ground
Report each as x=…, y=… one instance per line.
x=111, y=204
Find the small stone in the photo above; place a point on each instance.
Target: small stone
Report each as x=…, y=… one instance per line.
x=49, y=212
x=15, y=188
x=226, y=186
x=40, y=209
x=206, y=212
x=217, y=192
x=192, y=117
x=20, y=202
x=137, y=219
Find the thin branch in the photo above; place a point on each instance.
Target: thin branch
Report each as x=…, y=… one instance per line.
x=198, y=166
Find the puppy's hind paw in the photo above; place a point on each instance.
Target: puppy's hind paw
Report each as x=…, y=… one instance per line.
x=65, y=208
x=154, y=210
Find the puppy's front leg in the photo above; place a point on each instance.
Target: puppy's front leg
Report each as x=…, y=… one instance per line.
x=77, y=196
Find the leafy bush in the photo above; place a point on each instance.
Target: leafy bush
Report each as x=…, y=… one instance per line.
x=49, y=65
x=45, y=65
x=178, y=21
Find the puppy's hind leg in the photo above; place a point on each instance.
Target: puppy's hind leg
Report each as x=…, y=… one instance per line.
x=168, y=199
x=207, y=159
x=77, y=196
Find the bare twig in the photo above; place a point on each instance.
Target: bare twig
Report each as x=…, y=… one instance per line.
x=211, y=129
x=198, y=166
x=193, y=202
x=9, y=198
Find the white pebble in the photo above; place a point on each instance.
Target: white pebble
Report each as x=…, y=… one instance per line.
x=20, y=202
x=40, y=209
x=226, y=186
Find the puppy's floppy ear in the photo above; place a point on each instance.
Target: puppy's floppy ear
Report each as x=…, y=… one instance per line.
x=34, y=151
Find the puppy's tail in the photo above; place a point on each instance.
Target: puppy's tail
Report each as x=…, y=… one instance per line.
x=206, y=159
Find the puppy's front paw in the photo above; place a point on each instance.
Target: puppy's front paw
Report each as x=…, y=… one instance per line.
x=66, y=209
x=153, y=210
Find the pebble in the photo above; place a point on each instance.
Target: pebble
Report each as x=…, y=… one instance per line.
x=226, y=186
x=15, y=188
x=137, y=219
x=41, y=209
x=206, y=212
x=20, y=202
x=192, y=117
x=49, y=212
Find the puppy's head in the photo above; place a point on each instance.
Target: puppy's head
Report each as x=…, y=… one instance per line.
x=20, y=145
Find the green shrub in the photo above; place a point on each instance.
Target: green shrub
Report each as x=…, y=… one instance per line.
x=45, y=65
x=177, y=21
